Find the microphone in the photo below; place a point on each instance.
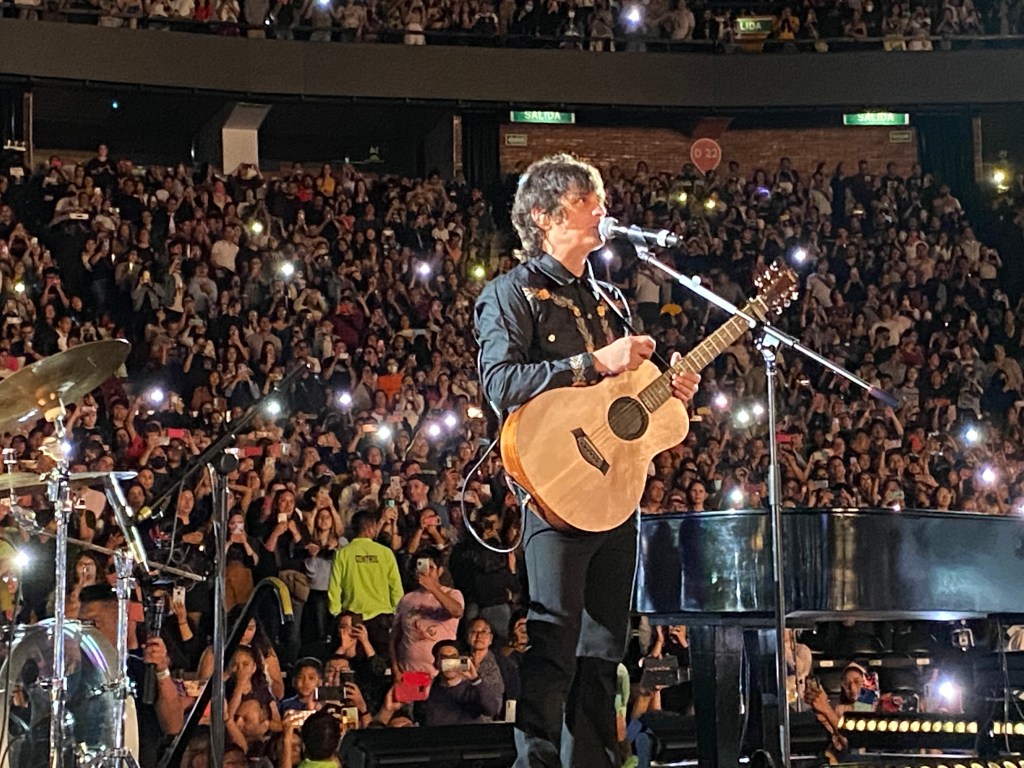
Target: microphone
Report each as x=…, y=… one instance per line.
x=154, y=626
x=610, y=228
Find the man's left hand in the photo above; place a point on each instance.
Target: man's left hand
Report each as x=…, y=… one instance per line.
x=684, y=385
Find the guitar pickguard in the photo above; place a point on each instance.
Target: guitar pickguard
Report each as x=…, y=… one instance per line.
x=589, y=452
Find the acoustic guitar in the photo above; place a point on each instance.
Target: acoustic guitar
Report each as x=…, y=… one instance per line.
x=582, y=452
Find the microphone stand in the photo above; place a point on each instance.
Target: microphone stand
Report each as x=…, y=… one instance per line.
x=770, y=339
x=218, y=463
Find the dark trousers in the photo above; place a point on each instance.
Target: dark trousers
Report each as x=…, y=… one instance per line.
x=580, y=591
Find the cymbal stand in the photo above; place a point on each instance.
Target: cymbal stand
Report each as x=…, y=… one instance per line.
x=59, y=492
x=118, y=754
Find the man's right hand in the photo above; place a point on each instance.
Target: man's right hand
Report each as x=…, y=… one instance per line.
x=625, y=354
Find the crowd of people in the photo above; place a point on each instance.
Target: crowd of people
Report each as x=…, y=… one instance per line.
x=348, y=299
x=596, y=25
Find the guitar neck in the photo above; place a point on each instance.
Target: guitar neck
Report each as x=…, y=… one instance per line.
x=657, y=393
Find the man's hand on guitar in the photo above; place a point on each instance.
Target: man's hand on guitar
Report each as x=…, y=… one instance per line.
x=684, y=385
x=623, y=354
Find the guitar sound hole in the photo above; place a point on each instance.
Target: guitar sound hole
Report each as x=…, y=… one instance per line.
x=628, y=418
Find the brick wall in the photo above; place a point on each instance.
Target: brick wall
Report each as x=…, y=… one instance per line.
x=666, y=149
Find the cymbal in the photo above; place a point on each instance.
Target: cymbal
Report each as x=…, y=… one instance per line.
x=29, y=481
x=64, y=378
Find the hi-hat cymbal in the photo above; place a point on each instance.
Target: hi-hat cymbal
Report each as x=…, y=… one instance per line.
x=30, y=481
x=65, y=377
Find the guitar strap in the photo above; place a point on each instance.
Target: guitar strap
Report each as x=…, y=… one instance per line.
x=600, y=290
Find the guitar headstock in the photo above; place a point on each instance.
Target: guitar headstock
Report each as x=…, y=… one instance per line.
x=777, y=288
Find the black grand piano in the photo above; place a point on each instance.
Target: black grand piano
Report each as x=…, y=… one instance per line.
x=713, y=571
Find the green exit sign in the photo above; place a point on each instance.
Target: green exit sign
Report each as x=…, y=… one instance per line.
x=548, y=118
x=876, y=118
x=755, y=25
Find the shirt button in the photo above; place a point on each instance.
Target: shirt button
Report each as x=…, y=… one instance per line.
x=590, y=317
x=551, y=337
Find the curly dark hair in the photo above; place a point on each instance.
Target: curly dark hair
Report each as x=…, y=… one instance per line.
x=542, y=188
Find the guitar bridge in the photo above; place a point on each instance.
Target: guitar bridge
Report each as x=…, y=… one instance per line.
x=589, y=452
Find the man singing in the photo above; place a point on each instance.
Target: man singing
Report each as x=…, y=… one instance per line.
x=542, y=326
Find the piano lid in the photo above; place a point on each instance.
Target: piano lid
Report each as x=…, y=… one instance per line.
x=869, y=564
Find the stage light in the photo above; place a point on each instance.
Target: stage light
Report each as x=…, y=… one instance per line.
x=344, y=399
x=948, y=690
x=286, y=270
x=273, y=407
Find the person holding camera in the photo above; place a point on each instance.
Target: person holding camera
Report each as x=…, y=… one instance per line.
x=459, y=695
x=427, y=614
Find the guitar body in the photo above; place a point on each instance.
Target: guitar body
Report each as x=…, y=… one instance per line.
x=583, y=452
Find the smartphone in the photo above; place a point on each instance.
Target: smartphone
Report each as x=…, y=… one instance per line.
x=460, y=664
x=347, y=677
x=178, y=596
x=173, y=433
x=422, y=565
x=396, y=485
x=350, y=717
x=661, y=673
x=413, y=686
x=252, y=451
x=282, y=517
x=330, y=693
x=357, y=619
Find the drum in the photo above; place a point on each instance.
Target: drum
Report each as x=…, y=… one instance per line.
x=91, y=670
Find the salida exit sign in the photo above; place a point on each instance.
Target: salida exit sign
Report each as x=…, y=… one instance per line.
x=547, y=118
x=876, y=118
